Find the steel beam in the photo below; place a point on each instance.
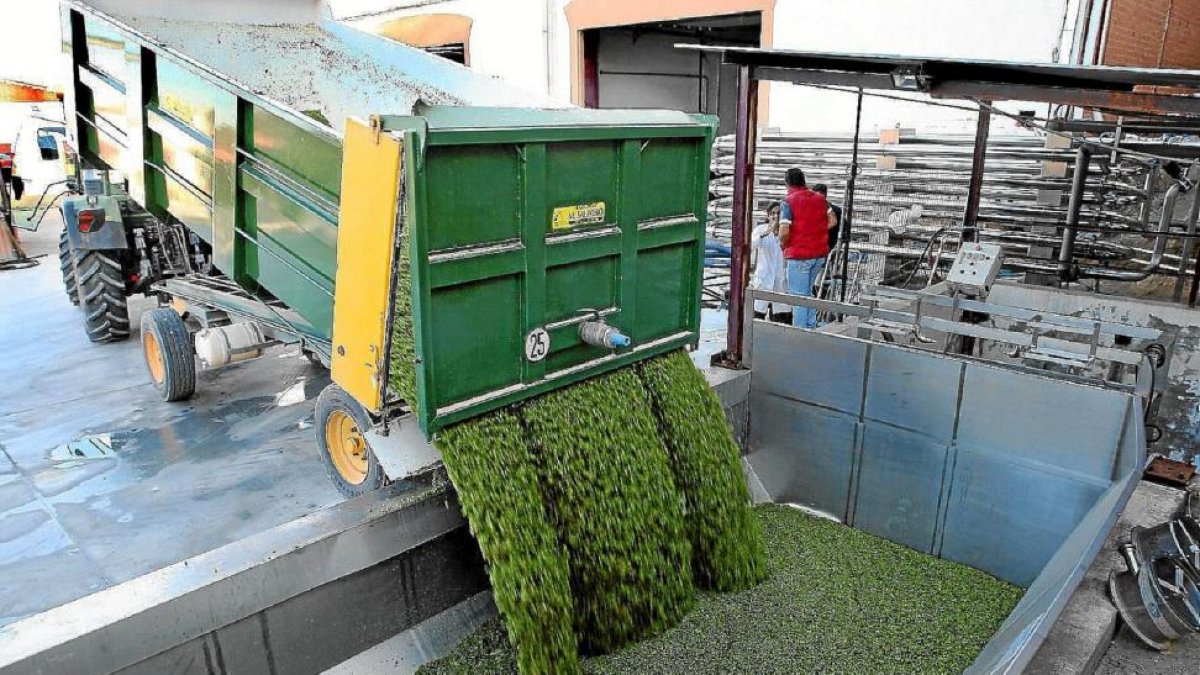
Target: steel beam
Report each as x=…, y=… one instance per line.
x=822, y=77
x=745, y=148
x=1066, y=253
x=983, y=127
x=1129, y=126
x=997, y=73
x=1125, y=90
x=848, y=208
x=1127, y=102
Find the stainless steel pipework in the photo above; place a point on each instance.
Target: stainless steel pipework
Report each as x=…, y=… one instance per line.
x=1083, y=159
x=1162, y=234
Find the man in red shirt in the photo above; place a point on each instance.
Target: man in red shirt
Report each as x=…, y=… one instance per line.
x=804, y=234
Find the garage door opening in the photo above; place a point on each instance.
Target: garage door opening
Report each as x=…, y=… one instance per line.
x=637, y=66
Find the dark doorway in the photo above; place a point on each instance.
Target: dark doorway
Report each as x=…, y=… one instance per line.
x=456, y=52
x=638, y=66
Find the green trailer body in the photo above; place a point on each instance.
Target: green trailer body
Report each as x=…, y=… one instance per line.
x=514, y=220
x=526, y=220
x=254, y=182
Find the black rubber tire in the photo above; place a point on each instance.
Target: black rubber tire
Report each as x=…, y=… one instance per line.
x=101, y=287
x=334, y=399
x=174, y=346
x=66, y=263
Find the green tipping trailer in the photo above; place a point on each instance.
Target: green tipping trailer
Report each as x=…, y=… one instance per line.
x=445, y=244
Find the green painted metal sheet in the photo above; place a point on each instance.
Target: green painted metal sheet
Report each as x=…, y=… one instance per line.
x=189, y=99
x=497, y=255
x=97, y=52
x=515, y=219
x=481, y=183
x=105, y=47
x=312, y=160
x=293, y=249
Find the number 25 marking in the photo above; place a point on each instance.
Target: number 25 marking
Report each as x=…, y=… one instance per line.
x=537, y=344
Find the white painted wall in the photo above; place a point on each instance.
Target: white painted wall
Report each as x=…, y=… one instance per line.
x=510, y=39
x=528, y=42
x=1011, y=30
x=19, y=123
x=30, y=42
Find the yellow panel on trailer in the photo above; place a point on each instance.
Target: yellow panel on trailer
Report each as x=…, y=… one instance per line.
x=371, y=165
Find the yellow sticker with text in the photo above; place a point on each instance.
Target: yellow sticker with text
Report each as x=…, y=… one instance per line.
x=567, y=217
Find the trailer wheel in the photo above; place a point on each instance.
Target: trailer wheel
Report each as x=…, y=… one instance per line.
x=66, y=263
x=101, y=288
x=340, y=422
x=167, y=346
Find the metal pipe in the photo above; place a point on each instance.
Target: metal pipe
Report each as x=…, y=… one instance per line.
x=1083, y=159
x=1129, y=553
x=848, y=211
x=743, y=210
x=1083, y=14
x=1195, y=284
x=1040, y=265
x=983, y=126
x=1188, y=244
x=1147, y=203
x=1162, y=235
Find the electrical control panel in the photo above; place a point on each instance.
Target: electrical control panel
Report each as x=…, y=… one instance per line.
x=975, y=269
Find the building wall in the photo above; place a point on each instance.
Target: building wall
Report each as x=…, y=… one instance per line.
x=1153, y=33
x=30, y=49
x=1013, y=30
x=512, y=40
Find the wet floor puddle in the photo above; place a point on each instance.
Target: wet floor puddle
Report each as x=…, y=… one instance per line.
x=92, y=446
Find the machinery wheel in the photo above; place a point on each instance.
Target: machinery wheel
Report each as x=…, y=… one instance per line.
x=66, y=263
x=340, y=422
x=101, y=288
x=167, y=347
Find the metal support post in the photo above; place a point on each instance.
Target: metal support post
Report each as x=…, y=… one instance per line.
x=744, y=150
x=1066, y=253
x=983, y=126
x=848, y=205
x=1188, y=247
x=1195, y=282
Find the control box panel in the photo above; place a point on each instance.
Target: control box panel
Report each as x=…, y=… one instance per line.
x=975, y=269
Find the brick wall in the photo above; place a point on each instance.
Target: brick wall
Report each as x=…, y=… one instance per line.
x=1153, y=33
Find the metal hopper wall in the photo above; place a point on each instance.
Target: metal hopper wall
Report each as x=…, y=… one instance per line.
x=1016, y=474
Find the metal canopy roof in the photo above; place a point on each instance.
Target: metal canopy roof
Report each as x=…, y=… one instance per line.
x=1122, y=89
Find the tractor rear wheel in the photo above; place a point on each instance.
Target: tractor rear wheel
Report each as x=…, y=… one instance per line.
x=66, y=263
x=101, y=288
x=167, y=346
x=340, y=425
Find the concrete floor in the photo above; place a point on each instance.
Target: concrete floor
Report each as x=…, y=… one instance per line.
x=101, y=482
x=1129, y=656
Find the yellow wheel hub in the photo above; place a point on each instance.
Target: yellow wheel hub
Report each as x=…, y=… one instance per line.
x=154, y=357
x=347, y=447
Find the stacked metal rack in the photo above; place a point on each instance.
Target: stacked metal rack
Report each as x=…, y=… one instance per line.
x=911, y=195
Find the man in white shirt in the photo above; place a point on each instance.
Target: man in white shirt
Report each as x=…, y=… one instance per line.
x=770, y=273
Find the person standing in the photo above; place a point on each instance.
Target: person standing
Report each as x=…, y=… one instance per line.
x=835, y=232
x=835, y=215
x=804, y=234
x=769, y=270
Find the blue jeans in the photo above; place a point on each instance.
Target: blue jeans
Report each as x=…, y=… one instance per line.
x=802, y=275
